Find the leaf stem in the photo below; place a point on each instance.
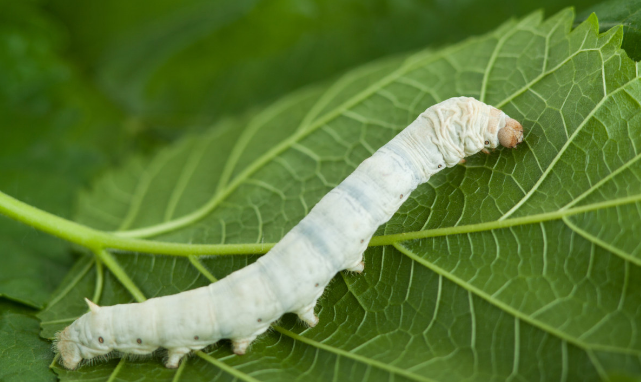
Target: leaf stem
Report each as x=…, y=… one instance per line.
x=120, y=274
x=99, y=240
x=47, y=222
x=99, y=282
x=95, y=239
x=202, y=269
x=498, y=224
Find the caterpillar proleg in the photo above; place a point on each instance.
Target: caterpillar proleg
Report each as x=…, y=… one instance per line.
x=292, y=276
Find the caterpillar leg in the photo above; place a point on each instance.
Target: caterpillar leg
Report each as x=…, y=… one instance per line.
x=240, y=345
x=308, y=316
x=175, y=355
x=358, y=268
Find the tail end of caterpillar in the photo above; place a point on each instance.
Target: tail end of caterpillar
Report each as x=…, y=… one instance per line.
x=84, y=339
x=512, y=134
x=68, y=350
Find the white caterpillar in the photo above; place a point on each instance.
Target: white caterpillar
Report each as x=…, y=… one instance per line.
x=293, y=275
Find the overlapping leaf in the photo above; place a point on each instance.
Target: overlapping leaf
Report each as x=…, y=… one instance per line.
x=23, y=353
x=533, y=274
x=172, y=64
x=46, y=152
x=624, y=12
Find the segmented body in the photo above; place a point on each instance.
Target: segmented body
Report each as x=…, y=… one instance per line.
x=293, y=275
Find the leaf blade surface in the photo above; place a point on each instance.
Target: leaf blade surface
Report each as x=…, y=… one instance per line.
x=544, y=300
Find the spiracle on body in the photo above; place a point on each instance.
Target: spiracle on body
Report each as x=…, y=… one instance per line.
x=293, y=275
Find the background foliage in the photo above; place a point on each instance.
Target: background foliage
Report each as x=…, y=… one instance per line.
x=84, y=86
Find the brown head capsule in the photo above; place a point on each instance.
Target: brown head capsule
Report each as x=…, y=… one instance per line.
x=512, y=134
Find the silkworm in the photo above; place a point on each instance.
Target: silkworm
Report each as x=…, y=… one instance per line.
x=294, y=273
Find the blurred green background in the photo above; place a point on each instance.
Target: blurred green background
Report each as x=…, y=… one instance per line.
x=86, y=84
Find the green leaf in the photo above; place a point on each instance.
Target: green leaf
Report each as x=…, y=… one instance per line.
x=46, y=151
x=522, y=265
x=626, y=13
x=172, y=63
x=24, y=356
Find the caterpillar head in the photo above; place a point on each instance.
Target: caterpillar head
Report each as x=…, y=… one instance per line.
x=85, y=338
x=511, y=134
x=510, y=131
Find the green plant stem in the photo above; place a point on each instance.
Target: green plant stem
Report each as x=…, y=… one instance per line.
x=47, y=222
x=99, y=282
x=97, y=240
x=120, y=274
x=498, y=224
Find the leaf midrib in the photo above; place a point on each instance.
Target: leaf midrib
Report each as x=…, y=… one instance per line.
x=183, y=249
